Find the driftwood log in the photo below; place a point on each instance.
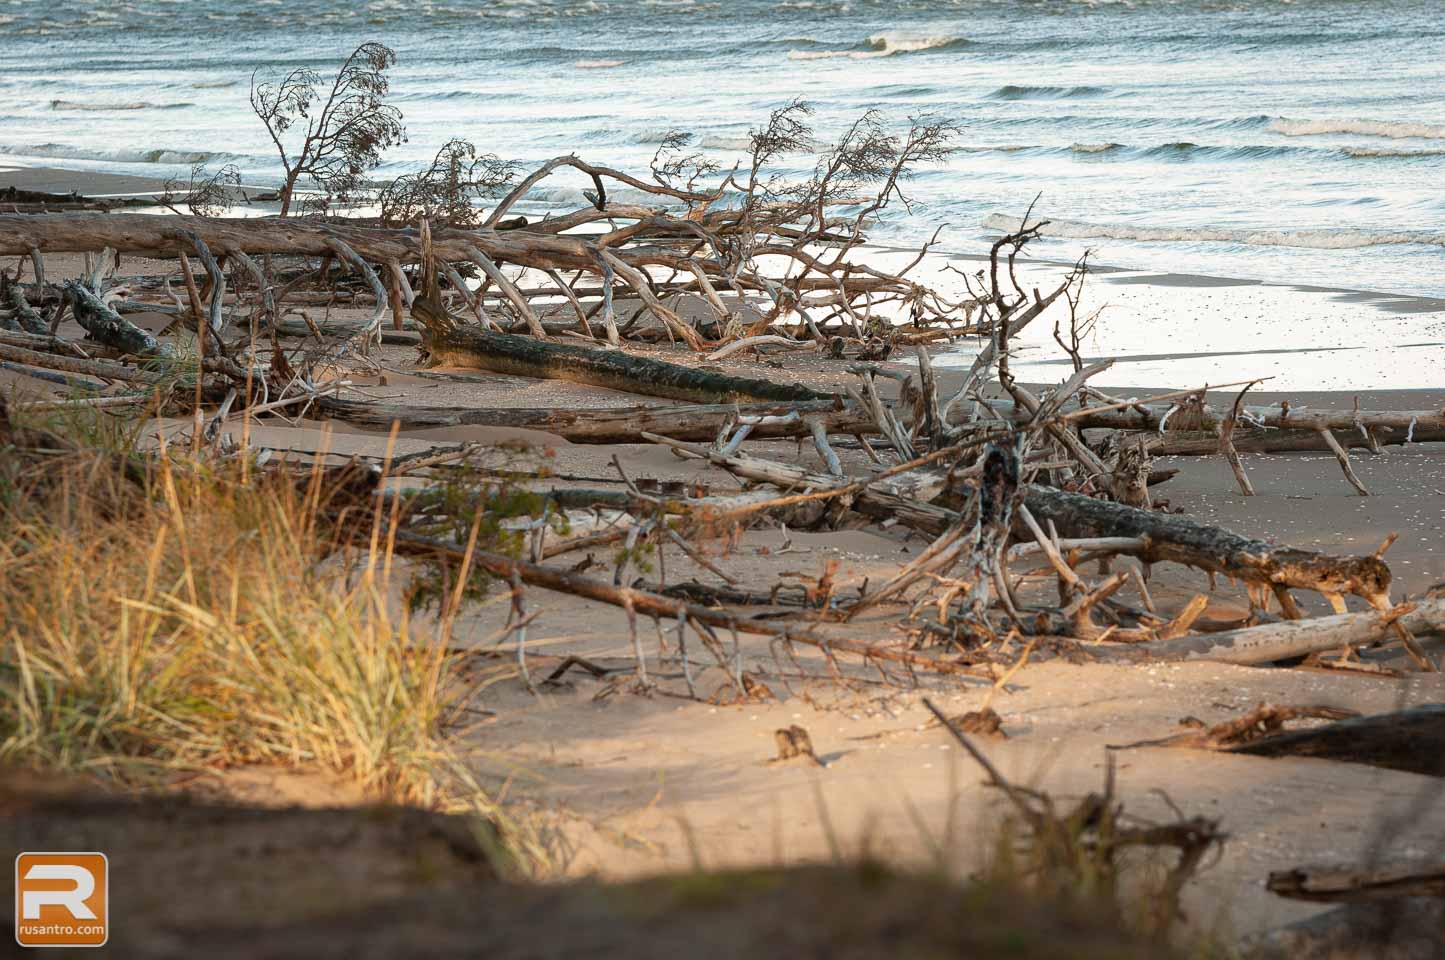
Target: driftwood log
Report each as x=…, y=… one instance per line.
x=1173, y=538
x=610, y=425
x=447, y=342
x=1272, y=642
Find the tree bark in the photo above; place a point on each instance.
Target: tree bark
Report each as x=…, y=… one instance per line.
x=1271, y=642
x=1176, y=539
x=106, y=326
x=699, y=422
x=447, y=342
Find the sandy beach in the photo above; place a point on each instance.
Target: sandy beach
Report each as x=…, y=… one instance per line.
x=635, y=785
x=339, y=461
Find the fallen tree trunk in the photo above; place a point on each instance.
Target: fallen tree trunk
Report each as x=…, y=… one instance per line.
x=1292, y=441
x=106, y=326
x=1173, y=538
x=165, y=235
x=12, y=297
x=447, y=342
x=1286, y=640
x=1281, y=416
x=617, y=425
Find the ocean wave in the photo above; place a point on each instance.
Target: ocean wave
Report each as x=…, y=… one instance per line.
x=115, y=105
x=1342, y=239
x=723, y=141
x=1096, y=147
x=598, y=64
x=1002, y=148
x=63, y=151
x=1394, y=130
x=214, y=84
x=883, y=45
x=1184, y=150
x=1370, y=153
x=1024, y=92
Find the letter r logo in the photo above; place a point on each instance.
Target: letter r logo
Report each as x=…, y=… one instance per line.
x=61, y=899
x=82, y=886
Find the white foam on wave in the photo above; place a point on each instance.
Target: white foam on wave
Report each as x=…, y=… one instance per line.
x=64, y=151
x=1342, y=239
x=1095, y=147
x=1394, y=130
x=722, y=141
x=598, y=64
x=75, y=105
x=881, y=45
x=1373, y=152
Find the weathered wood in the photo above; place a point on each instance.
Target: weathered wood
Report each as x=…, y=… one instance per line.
x=615, y=425
x=448, y=342
x=100, y=369
x=1173, y=538
x=106, y=326
x=1186, y=444
x=12, y=296
x=1412, y=740
x=1286, y=640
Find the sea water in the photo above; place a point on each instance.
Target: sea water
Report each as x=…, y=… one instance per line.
x=1295, y=142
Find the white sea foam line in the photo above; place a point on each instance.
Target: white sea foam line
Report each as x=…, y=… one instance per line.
x=1395, y=130
x=880, y=45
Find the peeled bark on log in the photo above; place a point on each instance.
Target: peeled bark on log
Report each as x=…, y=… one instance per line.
x=1411, y=740
x=106, y=326
x=27, y=320
x=1178, y=540
x=100, y=369
x=1288, y=639
x=448, y=342
x=699, y=422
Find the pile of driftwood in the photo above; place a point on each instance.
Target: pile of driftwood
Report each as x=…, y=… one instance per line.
x=996, y=475
x=994, y=472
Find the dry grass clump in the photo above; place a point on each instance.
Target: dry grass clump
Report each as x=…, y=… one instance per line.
x=158, y=615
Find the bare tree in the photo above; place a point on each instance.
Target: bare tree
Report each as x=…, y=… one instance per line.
x=206, y=194
x=444, y=192
x=346, y=127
